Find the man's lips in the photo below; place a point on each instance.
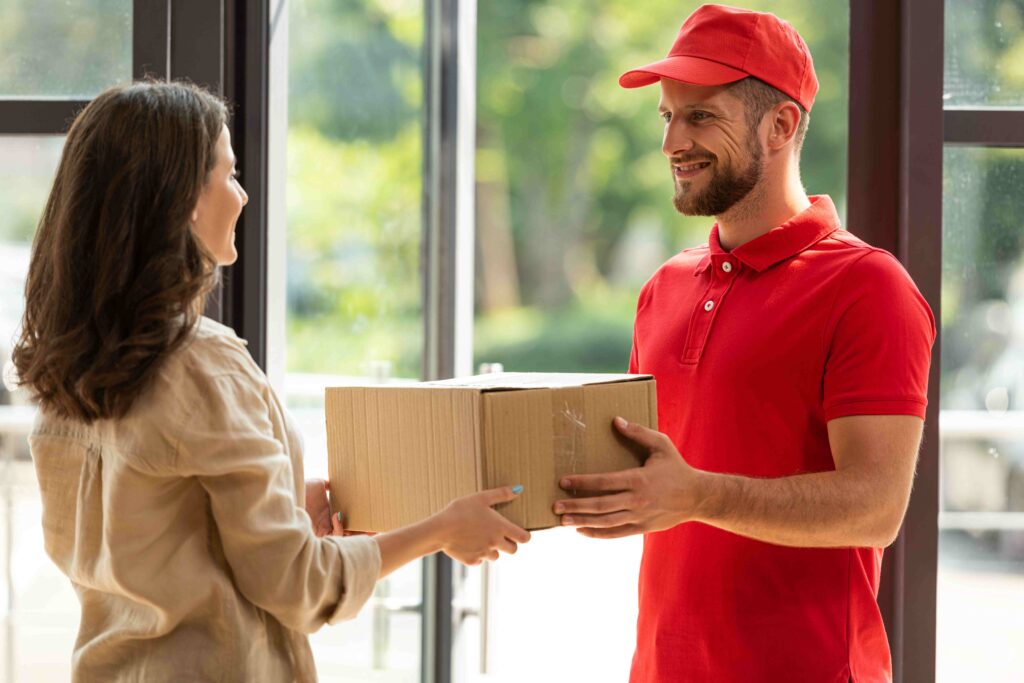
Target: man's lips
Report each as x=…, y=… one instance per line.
x=687, y=170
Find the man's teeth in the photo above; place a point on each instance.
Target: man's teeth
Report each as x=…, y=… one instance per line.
x=693, y=167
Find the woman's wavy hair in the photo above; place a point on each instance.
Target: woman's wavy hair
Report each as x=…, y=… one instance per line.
x=117, y=278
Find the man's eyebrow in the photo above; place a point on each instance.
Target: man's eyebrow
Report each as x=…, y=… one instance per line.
x=704, y=105
x=700, y=105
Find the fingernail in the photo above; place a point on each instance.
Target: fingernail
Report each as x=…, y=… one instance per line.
x=517, y=489
x=338, y=516
x=565, y=484
x=566, y=520
x=621, y=421
x=559, y=508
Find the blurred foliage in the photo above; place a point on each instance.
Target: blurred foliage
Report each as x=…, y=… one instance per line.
x=574, y=207
x=569, y=167
x=592, y=334
x=27, y=167
x=984, y=55
x=94, y=39
x=982, y=271
x=983, y=229
x=582, y=155
x=355, y=166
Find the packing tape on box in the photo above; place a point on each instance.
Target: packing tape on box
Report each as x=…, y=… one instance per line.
x=570, y=432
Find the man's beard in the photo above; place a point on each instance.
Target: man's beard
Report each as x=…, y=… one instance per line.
x=724, y=190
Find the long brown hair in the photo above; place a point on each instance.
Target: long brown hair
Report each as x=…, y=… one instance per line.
x=117, y=277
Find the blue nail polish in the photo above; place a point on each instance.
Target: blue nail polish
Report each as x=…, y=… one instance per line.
x=338, y=516
x=517, y=489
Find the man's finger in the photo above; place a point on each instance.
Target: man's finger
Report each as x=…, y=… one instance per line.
x=648, y=438
x=594, y=505
x=608, y=521
x=597, y=483
x=614, y=532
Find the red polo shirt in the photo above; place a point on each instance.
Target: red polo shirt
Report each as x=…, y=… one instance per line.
x=754, y=351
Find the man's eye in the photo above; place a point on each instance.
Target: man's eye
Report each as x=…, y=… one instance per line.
x=699, y=115
x=666, y=116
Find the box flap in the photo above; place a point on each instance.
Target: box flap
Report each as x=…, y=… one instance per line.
x=504, y=381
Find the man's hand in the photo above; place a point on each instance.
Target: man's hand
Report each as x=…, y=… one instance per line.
x=319, y=509
x=665, y=492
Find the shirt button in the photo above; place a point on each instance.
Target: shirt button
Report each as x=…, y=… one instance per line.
x=708, y=305
x=726, y=266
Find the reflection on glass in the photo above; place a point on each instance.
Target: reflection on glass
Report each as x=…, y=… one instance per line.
x=43, y=622
x=354, y=184
x=984, y=53
x=66, y=48
x=574, y=213
x=981, y=542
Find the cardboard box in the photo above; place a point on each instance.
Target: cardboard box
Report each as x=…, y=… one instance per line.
x=398, y=454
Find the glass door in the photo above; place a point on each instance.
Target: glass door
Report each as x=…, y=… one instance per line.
x=574, y=213
x=980, y=601
x=345, y=237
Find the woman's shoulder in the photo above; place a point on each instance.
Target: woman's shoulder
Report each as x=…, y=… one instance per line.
x=212, y=349
x=193, y=375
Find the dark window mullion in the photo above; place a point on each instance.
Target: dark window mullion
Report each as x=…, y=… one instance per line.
x=151, y=38
x=921, y=251
x=978, y=127
x=38, y=117
x=895, y=202
x=245, y=63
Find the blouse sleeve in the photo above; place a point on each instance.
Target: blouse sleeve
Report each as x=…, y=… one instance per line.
x=229, y=444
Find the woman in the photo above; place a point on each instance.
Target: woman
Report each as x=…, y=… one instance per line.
x=171, y=476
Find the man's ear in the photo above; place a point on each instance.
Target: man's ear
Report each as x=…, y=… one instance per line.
x=785, y=121
x=195, y=215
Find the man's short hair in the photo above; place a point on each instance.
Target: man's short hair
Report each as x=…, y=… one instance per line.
x=759, y=97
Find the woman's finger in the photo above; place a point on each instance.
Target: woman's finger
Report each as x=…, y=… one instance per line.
x=514, y=532
x=502, y=494
x=337, y=527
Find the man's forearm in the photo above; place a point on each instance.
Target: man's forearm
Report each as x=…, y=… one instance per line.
x=823, y=509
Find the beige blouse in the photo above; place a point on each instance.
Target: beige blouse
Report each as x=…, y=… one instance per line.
x=182, y=529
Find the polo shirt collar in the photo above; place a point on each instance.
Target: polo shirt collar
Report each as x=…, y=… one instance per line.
x=800, y=232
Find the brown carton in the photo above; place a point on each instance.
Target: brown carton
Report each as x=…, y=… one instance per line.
x=397, y=454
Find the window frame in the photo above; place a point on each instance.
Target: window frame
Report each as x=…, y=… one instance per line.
x=894, y=202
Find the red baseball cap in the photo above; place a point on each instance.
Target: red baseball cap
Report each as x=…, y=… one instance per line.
x=718, y=45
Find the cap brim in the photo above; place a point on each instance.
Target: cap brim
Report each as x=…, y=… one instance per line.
x=692, y=70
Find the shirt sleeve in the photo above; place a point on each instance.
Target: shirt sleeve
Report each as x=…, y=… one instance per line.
x=880, y=341
x=230, y=445
x=634, y=355
x=634, y=358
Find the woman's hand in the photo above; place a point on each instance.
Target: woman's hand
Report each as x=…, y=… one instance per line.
x=470, y=530
x=319, y=509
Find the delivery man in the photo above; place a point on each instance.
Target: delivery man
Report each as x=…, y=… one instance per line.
x=791, y=361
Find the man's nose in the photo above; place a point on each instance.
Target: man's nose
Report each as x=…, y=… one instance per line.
x=676, y=141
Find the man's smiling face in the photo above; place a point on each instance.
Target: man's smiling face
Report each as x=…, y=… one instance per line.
x=715, y=156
